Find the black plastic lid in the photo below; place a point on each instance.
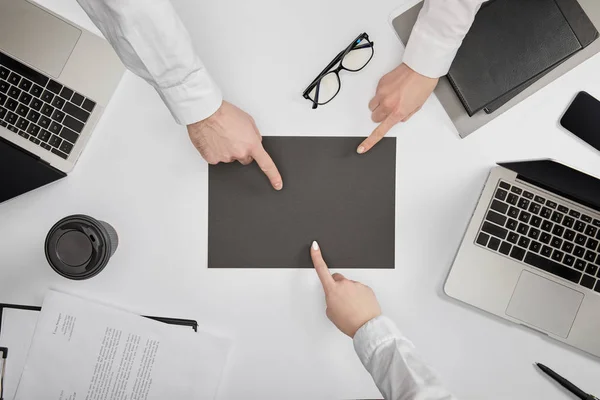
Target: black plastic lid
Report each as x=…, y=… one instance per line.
x=78, y=247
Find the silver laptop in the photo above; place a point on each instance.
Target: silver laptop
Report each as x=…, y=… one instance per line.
x=531, y=253
x=56, y=79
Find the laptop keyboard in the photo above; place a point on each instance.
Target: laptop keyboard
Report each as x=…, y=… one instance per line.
x=542, y=233
x=40, y=109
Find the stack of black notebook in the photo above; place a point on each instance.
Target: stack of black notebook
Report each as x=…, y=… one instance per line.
x=512, y=44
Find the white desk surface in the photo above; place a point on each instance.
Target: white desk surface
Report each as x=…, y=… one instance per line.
x=141, y=174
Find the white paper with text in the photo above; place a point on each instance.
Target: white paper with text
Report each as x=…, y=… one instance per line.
x=82, y=350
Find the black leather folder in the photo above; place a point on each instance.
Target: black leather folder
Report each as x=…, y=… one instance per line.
x=512, y=44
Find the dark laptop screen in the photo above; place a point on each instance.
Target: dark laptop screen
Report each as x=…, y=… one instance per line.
x=21, y=172
x=567, y=182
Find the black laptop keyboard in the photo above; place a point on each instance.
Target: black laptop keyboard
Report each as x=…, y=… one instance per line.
x=544, y=234
x=40, y=109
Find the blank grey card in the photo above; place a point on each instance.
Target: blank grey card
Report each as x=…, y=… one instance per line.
x=331, y=194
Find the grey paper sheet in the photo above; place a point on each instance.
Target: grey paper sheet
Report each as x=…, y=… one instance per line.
x=331, y=194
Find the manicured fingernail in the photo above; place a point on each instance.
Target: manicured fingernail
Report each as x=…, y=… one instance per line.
x=278, y=186
x=315, y=245
x=360, y=150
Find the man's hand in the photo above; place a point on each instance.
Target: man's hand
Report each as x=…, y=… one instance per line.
x=350, y=304
x=231, y=135
x=400, y=94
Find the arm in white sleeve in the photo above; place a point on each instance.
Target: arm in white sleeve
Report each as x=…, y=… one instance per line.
x=153, y=43
x=437, y=35
x=392, y=361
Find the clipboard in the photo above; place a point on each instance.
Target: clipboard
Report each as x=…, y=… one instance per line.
x=171, y=321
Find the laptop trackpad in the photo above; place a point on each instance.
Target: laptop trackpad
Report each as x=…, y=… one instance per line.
x=544, y=304
x=35, y=36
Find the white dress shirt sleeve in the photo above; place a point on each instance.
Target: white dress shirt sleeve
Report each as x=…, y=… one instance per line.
x=437, y=35
x=392, y=361
x=153, y=43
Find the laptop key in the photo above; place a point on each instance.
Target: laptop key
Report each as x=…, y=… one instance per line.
x=558, y=230
x=54, y=86
x=524, y=242
x=77, y=99
x=557, y=255
x=539, y=199
x=528, y=195
x=574, y=214
x=522, y=229
x=46, y=146
x=12, y=129
x=501, y=194
x=58, y=102
x=34, y=139
x=73, y=124
x=54, y=127
x=14, y=79
x=517, y=253
x=33, y=129
x=567, y=247
x=4, y=86
x=44, y=136
x=591, y=230
x=58, y=116
x=596, y=223
x=496, y=218
x=524, y=216
x=66, y=147
x=23, y=134
x=22, y=124
x=513, y=238
x=2, y=112
x=88, y=105
x=535, y=246
x=586, y=218
x=36, y=104
x=588, y=282
x=14, y=92
x=36, y=90
x=11, y=104
x=44, y=122
x=499, y=206
x=66, y=93
x=83, y=115
x=47, y=110
x=552, y=267
x=33, y=116
x=556, y=242
x=536, y=221
x=597, y=288
x=579, y=251
x=60, y=153
x=535, y=208
x=22, y=110
x=590, y=256
x=551, y=204
x=547, y=226
x=513, y=212
x=592, y=269
x=482, y=239
x=546, y=212
x=47, y=96
x=505, y=248
x=557, y=217
x=512, y=224
x=4, y=72
x=579, y=226
x=580, y=239
x=25, y=85
x=569, y=235
x=569, y=260
x=592, y=244
x=563, y=209
x=523, y=203
x=55, y=141
x=494, y=230
x=546, y=251
x=11, y=118
x=25, y=98
x=2, y=99
x=516, y=190
x=512, y=199
x=534, y=233
x=72, y=137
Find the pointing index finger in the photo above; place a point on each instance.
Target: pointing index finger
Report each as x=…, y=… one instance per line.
x=266, y=164
x=322, y=270
x=377, y=135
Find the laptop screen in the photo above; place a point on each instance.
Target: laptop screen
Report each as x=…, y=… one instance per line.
x=558, y=178
x=21, y=172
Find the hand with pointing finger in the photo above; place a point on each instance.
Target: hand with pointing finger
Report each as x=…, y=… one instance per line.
x=399, y=95
x=350, y=304
x=231, y=135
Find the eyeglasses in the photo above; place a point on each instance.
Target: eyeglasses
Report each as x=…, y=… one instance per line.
x=327, y=85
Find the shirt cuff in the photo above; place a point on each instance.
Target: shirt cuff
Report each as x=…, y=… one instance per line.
x=195, y=99
x=427, y=56
x=373, y=334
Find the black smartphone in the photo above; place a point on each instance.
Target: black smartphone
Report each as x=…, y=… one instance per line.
x=582, y=118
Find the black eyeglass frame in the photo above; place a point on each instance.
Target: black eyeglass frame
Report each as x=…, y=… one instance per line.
x=338, y=59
